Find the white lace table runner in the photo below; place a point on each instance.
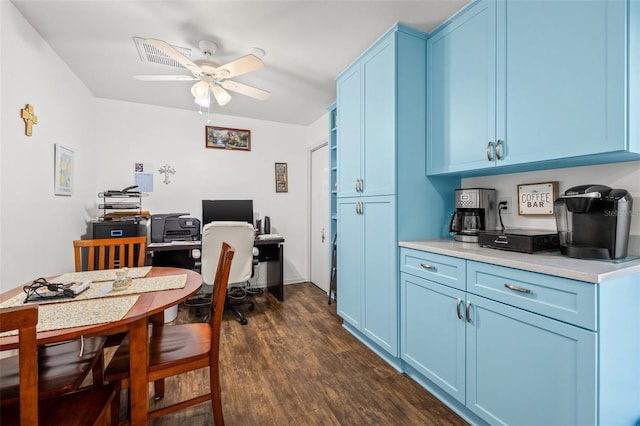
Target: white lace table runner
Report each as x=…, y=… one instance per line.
x=78, y=313
x=97, y=305
x=100, y=275
x=104, y=289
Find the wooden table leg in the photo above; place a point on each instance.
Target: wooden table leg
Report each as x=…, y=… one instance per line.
x=138, y=361
x=158, y=386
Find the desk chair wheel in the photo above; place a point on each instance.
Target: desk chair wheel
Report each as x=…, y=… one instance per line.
x=251, y=307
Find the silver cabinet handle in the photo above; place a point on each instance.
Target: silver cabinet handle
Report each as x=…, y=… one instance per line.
x=518, y=289
x=499, y=149
x=427, y=266
x=467, y=312
x=357, y=185
x=357, y=207
x=361, y=185
x=458, y=303
x=490, y=151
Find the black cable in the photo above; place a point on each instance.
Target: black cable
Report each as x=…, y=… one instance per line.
x=502, y=205
x=41, y=289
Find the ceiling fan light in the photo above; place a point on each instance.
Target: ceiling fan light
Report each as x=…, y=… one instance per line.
x=222, y=96
x=202, y=102
x=200, y=90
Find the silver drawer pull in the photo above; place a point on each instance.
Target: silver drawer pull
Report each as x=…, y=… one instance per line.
x=427, y=266
x=467, y=311
x=458, y=303
x=518, y=289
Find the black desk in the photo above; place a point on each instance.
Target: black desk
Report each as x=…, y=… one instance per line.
x=177, y=254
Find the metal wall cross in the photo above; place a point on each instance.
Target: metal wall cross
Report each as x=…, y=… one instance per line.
x=167, y=170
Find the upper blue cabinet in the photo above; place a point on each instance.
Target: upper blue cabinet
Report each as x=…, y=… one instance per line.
x=536, y=84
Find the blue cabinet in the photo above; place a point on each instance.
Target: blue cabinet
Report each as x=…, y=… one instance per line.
x=366, y=96
x=382, y=192
x=367, y=265
x=461, y=92
x=523, y=82
x=499, y=344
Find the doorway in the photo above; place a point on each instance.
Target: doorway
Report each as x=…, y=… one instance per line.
x=320, y=239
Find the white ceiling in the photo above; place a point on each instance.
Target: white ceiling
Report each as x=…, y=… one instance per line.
x=307, y=43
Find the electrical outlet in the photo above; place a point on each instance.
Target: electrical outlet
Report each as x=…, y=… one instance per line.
x=509, y=202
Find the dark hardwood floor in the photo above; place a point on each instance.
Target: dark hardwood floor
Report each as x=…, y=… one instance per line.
x=294, y=364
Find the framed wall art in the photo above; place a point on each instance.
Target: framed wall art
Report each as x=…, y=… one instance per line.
x=227, y=138
x=282, y=184
x=536, y=199
x=63, y=171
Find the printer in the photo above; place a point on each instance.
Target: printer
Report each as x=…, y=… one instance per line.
x=168, y=227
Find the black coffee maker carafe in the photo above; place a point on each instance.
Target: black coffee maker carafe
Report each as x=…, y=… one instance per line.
x=593, y=222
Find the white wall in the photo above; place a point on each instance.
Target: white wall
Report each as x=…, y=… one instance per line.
x=128, y=133
x=37, y=227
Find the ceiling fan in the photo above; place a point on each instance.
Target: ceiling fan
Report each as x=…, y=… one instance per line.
x=211, y=79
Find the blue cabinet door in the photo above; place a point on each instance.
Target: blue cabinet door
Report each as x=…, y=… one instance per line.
x=380, y=272
x=527, y=369
x=350, y=261
x=433, y=332
x=461, y=92
x=379, y=121
x=561, y=74
x=349, y=132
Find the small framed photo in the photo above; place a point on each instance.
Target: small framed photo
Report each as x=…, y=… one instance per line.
x=227, y=138
x=63, y=171
x=282, y=184
x=536, y=199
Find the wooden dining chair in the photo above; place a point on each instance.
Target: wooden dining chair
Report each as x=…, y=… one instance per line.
x=97, y=254
x=176, y=349
x=102, y=253
x=62, y=368
x=89, y=406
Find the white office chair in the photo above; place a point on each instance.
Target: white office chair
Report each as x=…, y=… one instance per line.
x=240, y=235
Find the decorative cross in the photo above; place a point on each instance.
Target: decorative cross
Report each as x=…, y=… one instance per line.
x=167, y=170
x=29, y=118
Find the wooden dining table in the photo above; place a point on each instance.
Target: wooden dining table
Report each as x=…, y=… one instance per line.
x=149, y=307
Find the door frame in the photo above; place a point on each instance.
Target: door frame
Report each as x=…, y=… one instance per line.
x=320, y=143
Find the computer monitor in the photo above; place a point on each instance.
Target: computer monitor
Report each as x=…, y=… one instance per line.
x=227, y=210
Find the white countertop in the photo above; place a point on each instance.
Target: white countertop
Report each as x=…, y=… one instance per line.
x=552, y=263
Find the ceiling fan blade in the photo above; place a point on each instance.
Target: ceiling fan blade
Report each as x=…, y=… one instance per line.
x=246, y=90
x=165, y=77
x=242, y=65
x=171, y=52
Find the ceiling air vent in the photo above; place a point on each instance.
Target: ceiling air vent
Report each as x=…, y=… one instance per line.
x=149, y=53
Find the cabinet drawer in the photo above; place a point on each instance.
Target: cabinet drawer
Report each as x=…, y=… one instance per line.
x=571, y=301
x=435, y=267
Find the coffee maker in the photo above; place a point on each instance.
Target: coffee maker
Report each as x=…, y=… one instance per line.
x=593, y=222
x=475, y=211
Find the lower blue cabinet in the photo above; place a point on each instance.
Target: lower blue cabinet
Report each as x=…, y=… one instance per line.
x=367, y=269
x=505, y=364
x=526, y=369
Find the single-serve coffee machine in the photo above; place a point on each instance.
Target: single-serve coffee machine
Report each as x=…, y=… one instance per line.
x=593, y=222
x=475, y=211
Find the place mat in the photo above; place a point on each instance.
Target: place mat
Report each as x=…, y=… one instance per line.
x=100, y=275
x=104, y=289
x=78, y=313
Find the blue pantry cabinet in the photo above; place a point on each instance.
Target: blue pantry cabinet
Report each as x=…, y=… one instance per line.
x=519, y=82
x=382, y=192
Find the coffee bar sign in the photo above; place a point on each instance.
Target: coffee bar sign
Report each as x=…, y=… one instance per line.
x=537, y=198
